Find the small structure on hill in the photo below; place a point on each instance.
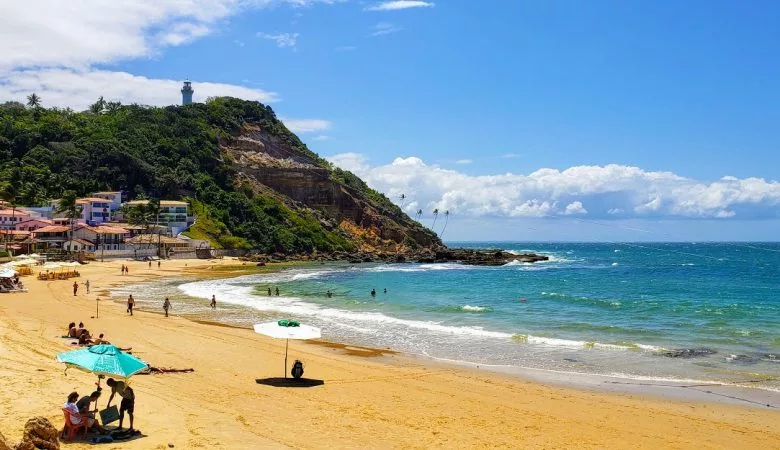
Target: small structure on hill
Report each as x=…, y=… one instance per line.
x=186, y=93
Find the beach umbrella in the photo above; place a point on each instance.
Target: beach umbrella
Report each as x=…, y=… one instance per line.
x=103, y=359
x=287, y=329
x=7, y=272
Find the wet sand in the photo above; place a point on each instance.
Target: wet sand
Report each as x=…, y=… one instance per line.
x=358, y=397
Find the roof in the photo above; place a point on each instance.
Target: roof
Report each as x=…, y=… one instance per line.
x=91, y=199
x=52, y=229
x=126, y=226
x=14, y=212
x=162, y=203
x=15, y=232
x=81, y=241
x=35, y=219
x=103, y=229
x=107, y=192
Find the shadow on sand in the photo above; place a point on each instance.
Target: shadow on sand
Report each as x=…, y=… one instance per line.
x=289, y=382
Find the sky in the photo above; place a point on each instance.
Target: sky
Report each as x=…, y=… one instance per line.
x=566, y=120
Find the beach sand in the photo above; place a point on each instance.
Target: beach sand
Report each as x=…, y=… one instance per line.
x=368, y=398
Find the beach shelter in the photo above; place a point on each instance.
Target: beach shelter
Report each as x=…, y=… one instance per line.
x=103, y=359
x=287, y=329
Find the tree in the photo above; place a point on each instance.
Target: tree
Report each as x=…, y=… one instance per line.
x=402, y=197
x=419, y=214
x=435, y=215
x=98, y=107
x=9, y=192
x=67, y=205
x=446, y=220
x=33, y=101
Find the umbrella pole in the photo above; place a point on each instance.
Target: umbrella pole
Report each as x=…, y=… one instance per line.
x=285, y=356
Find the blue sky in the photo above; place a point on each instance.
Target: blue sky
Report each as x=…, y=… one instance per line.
x=638, y=109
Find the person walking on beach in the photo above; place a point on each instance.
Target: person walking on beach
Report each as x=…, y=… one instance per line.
x=130, y=304
x=213, y=302
x=86, y=285
x=166, y=306
x=277, y=291
x=158, y=263
x=150, y=263
x=75, y=288
x=128, y=400
x=123, y=269
x=269, y=291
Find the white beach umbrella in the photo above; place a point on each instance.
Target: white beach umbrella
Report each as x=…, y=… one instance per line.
x=287, y=329
x=52, y=265
x=7, y=272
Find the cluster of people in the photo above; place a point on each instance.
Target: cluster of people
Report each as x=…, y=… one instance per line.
x=80, y=409
x=76, y=287
x=373, y=292
x=277, y=291
x=125, y=269
x=11, y=284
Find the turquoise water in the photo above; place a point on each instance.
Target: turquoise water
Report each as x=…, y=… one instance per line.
x=620, y=309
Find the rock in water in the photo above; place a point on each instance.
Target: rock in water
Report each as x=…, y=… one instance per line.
x=39, y=433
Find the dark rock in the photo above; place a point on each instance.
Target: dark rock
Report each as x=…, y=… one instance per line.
x=688, y=352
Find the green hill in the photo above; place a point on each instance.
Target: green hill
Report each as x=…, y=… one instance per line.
x=252, y=183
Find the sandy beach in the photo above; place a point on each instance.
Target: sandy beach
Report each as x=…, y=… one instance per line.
x=367, y=398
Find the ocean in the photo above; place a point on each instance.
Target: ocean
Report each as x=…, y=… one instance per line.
x=706, y=312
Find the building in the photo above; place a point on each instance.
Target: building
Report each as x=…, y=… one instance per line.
x=9, y=217
x=114, y=197
x=32, y=224
x=94, y=210
x=174, y=214
x=186, y=93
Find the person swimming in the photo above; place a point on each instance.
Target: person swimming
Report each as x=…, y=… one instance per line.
x=373, y=292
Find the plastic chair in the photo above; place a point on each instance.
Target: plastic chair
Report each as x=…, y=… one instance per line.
x=73, y=428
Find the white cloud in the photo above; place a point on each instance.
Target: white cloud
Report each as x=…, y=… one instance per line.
x=607, y=190
x=464, y=161
x=282, y=40
x=575, y=208
x=79, y=88
x=399, y=4
x=52, y=47
x=238, y=43
x=510, y=155
x=384, y=28
x=305, y=125
x=321, y=137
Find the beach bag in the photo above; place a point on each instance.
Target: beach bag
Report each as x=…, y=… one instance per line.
x=297, y=369
x=109, y=415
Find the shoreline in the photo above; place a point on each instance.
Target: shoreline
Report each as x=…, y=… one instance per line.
x=389, y=398
x=658, y=387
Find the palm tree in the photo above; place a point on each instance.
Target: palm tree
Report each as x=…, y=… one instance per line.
x=402, y=197
x=67, y=205
x=419, y=214
x=33, y=101
x=435, y=216
x=98, y=107
x=446, y=220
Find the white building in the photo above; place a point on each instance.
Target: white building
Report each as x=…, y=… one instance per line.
x=174, y=214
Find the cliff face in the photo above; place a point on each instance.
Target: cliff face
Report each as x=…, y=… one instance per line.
x=270, y=166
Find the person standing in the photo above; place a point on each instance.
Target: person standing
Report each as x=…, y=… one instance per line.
x=75, y=288
x=158, y=263
x=373, y=292
x=128, y=399
x=269, y=291
x=150, y=263
x=123, y=269
x=130, y=304
x=213, y=302
x=166, y=306
x=86, y=285
x=277, y=291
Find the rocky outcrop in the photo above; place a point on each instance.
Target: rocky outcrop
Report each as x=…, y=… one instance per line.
x=271, y=166
x=460, y=255
x=39, y=433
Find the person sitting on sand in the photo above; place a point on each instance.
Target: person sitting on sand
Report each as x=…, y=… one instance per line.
x=100, y=340
x=72, y=330
x=76, y=418
x=128, y=399
x=85, y=401
x=85, y=338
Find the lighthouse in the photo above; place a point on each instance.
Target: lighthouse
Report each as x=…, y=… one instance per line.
x=186, y=93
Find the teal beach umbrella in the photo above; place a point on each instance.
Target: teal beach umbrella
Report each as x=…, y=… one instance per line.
x=103, y=359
